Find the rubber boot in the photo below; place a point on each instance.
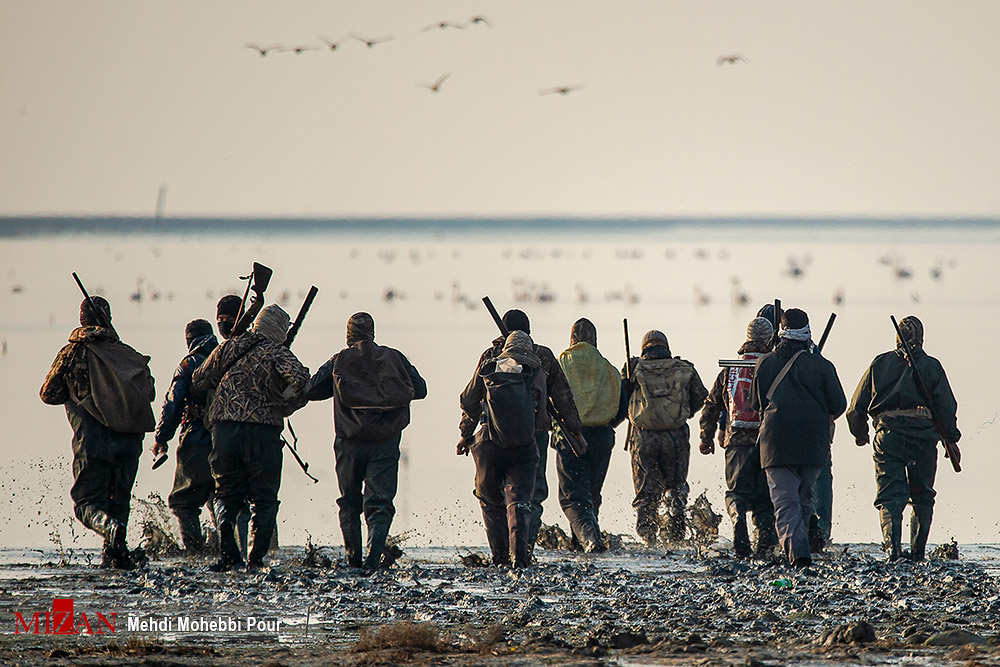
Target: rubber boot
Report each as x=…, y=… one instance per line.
x=590, y=539
x=261, y=531
x=892, y=532
x=766, y=535
x=243, y=530
x=520, y=534
x=498, y=535
x=352, y=543
x=191, y=535
x=817, y=543
x=377, y=536
x=230, y=556
x=741, y=538
x=920, y=530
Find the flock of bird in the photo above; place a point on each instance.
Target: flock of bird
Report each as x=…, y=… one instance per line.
x=435, y=87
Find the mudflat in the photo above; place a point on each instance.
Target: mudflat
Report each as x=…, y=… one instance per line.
x=632, y=606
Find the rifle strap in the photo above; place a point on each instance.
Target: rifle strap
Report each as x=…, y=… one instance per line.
x=781, y=374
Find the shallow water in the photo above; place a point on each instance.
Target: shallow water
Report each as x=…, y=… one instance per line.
x=658, y=277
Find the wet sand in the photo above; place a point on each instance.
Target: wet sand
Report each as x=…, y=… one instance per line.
x=630, y=607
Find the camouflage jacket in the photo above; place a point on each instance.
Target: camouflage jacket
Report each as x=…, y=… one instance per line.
x=182, y=406
x=69, y=374
x=557, y=387
x=255, y=381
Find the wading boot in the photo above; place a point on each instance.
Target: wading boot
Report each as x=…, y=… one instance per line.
x=892, y=532
x=377, y=536
x=352, y=543
x=260, y=542
x=230, y=558
x=920, y=530
x=191, y=535
x=741, y=538
x=497, y=535
x=521, y=547
x=817, y=543
x=766, y=536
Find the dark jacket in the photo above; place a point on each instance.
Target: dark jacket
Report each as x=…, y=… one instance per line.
x=795, y=423
x=888, y=384
x=556, y=386
x=69, y=375
x=182, y=406
x=364, y=425
x=256, y=381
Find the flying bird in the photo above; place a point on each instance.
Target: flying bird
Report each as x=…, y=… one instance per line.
x=300, y=49
x=730, y=59
x=561, y=90
x=443, y=25
x=480, y=19
x=333, y=45
x=263, y=51
x=436, y=86
x=371, y=42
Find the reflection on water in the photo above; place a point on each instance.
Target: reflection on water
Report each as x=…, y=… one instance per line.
x=700, y=283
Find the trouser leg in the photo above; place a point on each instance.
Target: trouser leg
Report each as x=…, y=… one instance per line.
x=351, y=462
x=577, y=487
x=647, y=479
x=540, y=490
x=892, y=489
x=492, y=500
x=920, y=474
x=263, y=459
x=231, y=486
x=739, y=489
x=822, y=519
x=518, y=481
x=675, y=466
x=791, y=493
x=381, y=483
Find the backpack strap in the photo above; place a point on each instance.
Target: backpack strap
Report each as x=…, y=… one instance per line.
x=781, y=374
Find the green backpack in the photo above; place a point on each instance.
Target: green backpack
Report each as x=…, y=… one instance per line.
x=661, y=401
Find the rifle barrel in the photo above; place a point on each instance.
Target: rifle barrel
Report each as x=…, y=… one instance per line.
x=826, y=331
x=105, y=322
x=306, y=305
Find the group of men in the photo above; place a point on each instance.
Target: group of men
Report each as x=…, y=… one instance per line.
x=773, y=417
x=230, y=401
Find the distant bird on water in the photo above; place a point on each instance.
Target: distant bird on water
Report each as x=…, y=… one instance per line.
x=561, y=90
x=371, y=42
x=479, y=19
x=263, y=51
x=332, y=45
x=436, y=86
x=442, y=25
x=730, y=59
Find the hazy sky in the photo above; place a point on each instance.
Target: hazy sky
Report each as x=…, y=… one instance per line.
x=847, y=107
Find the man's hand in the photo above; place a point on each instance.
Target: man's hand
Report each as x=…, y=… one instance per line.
x=706, y=447
x=464, y=445
x=159, y=448
x=861, y=440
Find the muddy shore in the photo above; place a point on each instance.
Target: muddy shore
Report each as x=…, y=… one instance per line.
x=630, y=607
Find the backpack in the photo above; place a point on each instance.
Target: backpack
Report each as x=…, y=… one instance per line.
x=661, y=401
x=367, y=376
x=738, y=381
x=596, y=384
x=509, y=405
x=121, y=388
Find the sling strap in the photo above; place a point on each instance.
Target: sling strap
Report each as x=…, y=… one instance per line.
x=781, y=375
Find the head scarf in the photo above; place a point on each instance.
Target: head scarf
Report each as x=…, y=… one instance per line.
x=89, y=318
x=516, y=320
x=913, y=331
x=794, y=325
x=360, y=327
x=272, y=323
x=519, y=347
x=583, y=331
x=760, y=331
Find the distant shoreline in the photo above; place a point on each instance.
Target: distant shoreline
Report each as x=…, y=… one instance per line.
x=33, y=226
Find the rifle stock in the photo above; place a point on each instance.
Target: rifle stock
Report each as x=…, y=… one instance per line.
x=951, y=450
x=579, y=448
x=257, y=282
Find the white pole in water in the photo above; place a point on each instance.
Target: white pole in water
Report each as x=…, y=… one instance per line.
x=161, y=201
